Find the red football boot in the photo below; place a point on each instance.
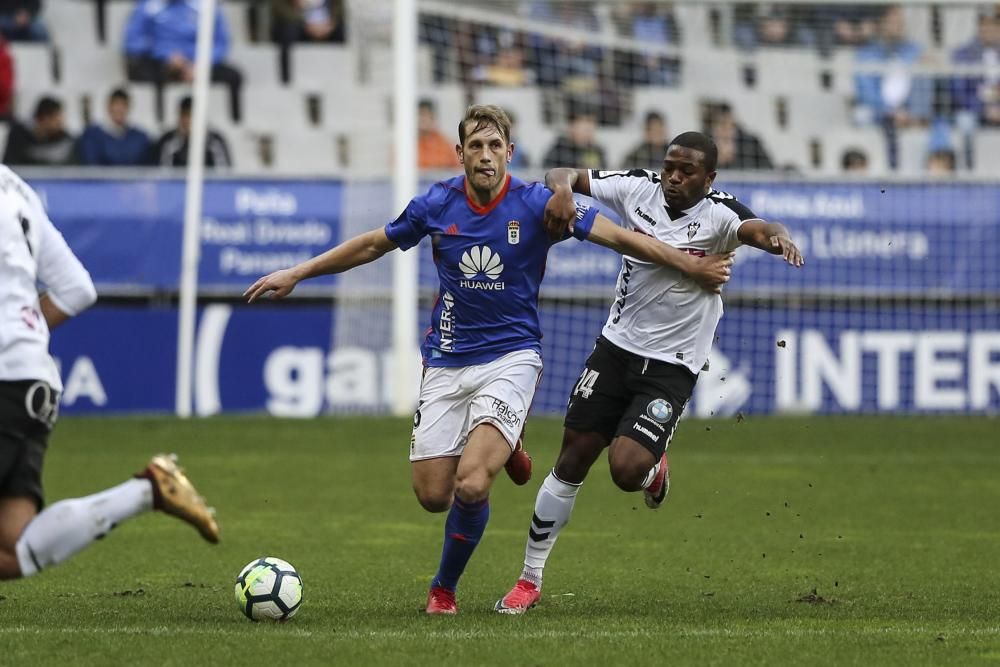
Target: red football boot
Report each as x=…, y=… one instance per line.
x=518, y=466
x=658, y=489
x=441, y=601
x=521, y=598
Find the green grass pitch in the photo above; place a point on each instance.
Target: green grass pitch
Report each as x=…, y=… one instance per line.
x=785, y=541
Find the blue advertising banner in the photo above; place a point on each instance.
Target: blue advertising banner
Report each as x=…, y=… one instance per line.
x=858, y=239
x=128, y=233
x=292, y=361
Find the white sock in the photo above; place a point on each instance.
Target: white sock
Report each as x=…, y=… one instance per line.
x=553, y=505
x=651, y=475
x=70, y=525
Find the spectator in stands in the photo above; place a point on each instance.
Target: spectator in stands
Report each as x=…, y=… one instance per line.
x=305, y=21
x=19, y=21
x=434, y=151
x=894, y=97
x=738, y=149
x=172, y=148
x=506, y=67
x=521, y=159
x=115, y=143
x=160, y=44
x=941, y=162
x=6, y=82
x=650, y=22
x=649, y=153
x=846, y=25
x=979, y=97
x=767, y=25
x=46, y=142
x=854, y=161
x=577, y=147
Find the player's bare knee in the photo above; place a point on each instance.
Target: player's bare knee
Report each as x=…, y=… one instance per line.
x=626, y=472
x=433, y=500
x=578, y=453
x=474, y=486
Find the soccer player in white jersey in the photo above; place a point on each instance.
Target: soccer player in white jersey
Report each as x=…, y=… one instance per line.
x=482, y=352
x=31, y=539
x=657, y=337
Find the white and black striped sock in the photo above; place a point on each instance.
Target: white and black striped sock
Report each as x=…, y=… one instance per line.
x=553, y=505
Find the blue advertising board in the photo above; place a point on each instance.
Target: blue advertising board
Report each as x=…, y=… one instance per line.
x=858, y=239
x=289, y=361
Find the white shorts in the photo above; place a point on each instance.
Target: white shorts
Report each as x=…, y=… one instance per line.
x=453, y=401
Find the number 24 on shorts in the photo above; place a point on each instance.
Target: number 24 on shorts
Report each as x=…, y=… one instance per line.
x=585, y=385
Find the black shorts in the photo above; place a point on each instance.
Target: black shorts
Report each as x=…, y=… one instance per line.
x=621, y=393
x=28, y=411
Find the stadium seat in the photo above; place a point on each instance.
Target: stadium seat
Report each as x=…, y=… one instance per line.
x=33, y=65
x=918, y=24
x=677, y=105
x=912, y=143
x=704, y=71
x=376, y=68
x=245, y=148
x=813, y=114
x=323, y=67
x=116, y=15
x=218, y=106
x=450, y=103
x=840, y=66
x=237, y=20
x=306, y=152
x=695, y=23
x=958, y=26
x=987, y=153
x=786, y=70
x=868, y=139
x=268, y=108
x=617, y=142
x=365, y=108
x=143, y=107
x=258, y=62
x=72, y=26
x=82, y=65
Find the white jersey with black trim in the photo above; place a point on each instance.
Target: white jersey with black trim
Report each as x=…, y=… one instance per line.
x=658, y=312
x=32, y=251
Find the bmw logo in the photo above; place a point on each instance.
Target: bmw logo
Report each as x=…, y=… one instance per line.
x=660, y=410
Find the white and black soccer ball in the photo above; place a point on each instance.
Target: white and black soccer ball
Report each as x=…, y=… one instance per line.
x=269, y=589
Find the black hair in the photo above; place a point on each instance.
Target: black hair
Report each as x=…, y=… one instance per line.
x=186, y=104
x=697, y=141
x=853, y=156
x=653, y=115
x=118, y=94
x=46, y=107
x=427, y=104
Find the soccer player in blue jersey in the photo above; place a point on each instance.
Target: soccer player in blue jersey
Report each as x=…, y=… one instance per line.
x=482, y=353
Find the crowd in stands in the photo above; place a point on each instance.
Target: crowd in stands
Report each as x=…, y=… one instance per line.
x=588, y=85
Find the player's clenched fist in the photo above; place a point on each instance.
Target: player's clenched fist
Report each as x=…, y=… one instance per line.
x=560, y=213
x=712, y=271
x=280, y=284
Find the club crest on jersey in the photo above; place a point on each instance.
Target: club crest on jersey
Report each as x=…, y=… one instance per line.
x=693, y=228
x=660, y=410
x=513, y=232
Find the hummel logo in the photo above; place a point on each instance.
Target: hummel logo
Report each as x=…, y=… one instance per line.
x=480, y=259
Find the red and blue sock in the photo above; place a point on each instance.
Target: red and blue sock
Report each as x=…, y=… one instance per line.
x=462, y=531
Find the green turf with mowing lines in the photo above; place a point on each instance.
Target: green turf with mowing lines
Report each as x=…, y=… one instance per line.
x=784, y=541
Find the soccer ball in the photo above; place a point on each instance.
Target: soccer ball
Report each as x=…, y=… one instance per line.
x=269, y=589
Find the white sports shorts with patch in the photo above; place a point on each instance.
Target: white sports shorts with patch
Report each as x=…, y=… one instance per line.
x=453, y=401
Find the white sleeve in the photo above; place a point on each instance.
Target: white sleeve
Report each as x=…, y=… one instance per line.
x=610, y=188
x=70, y=287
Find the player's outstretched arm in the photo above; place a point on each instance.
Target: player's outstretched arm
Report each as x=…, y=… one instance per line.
x=710, y=272
x=359, y=250
x=772, y=237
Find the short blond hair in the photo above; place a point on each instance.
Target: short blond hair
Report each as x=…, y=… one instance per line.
x=485, y=115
